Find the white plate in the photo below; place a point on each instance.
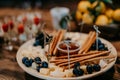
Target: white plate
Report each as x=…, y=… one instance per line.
x=82, y=36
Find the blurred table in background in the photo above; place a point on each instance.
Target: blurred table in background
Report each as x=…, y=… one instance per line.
x=10, y=70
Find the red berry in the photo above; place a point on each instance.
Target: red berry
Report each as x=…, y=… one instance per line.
x=24, y=19
x=5, y=27
x=20, y=28
x=10, y=23
x=36, y=20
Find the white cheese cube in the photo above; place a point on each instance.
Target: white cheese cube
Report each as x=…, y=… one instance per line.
x=34, y=65
x=45, y=71
x=69, y=73
x=57, y=73
x=102, y=63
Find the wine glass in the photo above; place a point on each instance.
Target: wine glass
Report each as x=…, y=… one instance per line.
x=7, y=27
x=21, y=32
x=1, y=36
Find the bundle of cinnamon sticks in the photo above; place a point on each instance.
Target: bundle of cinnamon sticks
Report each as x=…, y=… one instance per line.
x=56, y=39
x=62, y=61
x=88, y=42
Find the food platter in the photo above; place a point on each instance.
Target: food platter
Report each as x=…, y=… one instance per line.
x=81, y=39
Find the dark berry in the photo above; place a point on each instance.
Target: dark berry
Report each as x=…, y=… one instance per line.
x=77, y=64
x=27, y=63
x=44, y=64
x=38, y=68
x=101, y=47
x=37, y=59
x=39, y=36
x=36, y=43
x=31, y=61
x=42, y=43
x=89, y=69
x=24, y=59
x=81, y=72
x=78, y=72
x=38, y=62
x=99, y=41
x=96, y=67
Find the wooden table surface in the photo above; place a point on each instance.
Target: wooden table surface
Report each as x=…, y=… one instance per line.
x=10, y=70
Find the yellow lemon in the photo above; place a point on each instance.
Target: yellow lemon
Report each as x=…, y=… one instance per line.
x=109, y=13
x=100, y=8
x=87, y=18
x=116, y=15
x=94, y=4
x=78, y=15
x=83, y=6
x=101, y=20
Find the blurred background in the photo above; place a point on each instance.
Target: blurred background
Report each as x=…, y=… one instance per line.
x=82, y=15
x=20, y=20
x=44, y=4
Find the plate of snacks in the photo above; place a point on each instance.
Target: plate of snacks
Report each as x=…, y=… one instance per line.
x=66, y=56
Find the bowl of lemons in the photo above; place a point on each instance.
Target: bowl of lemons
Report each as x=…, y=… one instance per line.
x=100, y=13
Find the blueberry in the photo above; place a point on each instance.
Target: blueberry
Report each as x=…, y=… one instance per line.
x=38, y=68
x=31, y=61
x=37, y=59
x=93, y=47
x=99, y=41
x=81, y=72
x=78, y=72
x=101, y=47
x=27, y=63
x=41, y=43
x=96, y=67
x=39, y=36
x=77, y=64
x=38, y=62
x=44, y=64
x=89, y=69
x=37, y=42
x=24, y=59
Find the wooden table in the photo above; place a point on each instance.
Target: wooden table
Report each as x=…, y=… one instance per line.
x=10, y=70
